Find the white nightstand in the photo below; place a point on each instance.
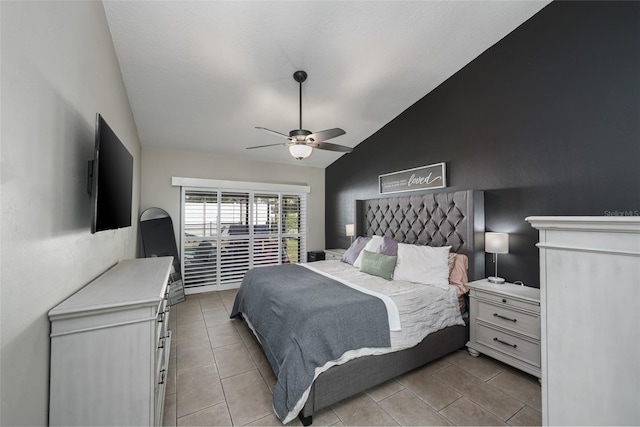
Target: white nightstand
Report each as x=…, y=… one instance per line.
x=334, y=254
x=505, y=324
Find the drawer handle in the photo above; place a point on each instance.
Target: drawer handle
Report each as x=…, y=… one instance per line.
x=504, y=300
x=162, y=380
x=504, y=317
x=505, y=343
x=161, y=343
x=161, y=317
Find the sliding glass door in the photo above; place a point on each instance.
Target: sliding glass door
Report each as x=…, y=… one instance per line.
x=227, y=232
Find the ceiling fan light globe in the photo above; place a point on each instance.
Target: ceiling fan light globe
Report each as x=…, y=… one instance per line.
x=300, y=151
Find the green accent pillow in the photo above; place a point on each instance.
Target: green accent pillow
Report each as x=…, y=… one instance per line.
x=378, y=264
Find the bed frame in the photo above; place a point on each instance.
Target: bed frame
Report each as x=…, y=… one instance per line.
x=434, y=219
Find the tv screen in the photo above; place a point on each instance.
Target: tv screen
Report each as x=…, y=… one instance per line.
x=111, y=181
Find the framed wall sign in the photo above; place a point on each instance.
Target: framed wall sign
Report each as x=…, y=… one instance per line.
x=422, y=178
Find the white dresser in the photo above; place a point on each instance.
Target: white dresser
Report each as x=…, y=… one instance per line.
x=505, y=323
x=110, y=348
x=590, y=289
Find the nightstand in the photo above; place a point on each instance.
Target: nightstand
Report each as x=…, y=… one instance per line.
x=334, y=254
x=313, y=256
x=505, y=324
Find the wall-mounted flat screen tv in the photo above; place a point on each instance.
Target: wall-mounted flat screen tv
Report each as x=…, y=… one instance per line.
x=111, y=180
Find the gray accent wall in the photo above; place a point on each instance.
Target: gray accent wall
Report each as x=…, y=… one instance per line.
x=546, y=122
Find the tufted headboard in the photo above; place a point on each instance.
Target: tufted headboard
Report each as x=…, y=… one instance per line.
x=434, y=219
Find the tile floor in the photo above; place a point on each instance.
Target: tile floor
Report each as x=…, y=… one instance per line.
x=218, y=376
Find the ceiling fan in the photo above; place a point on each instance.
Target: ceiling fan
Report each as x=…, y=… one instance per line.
x=301, y=142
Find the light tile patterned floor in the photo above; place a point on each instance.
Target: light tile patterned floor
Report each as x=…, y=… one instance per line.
x=218, y=376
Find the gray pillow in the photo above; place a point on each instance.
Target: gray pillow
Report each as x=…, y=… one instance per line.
x=354, y=250
x=389, y=247
x=378, y=264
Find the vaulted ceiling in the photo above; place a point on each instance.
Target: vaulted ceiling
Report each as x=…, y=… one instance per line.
x=201, y=75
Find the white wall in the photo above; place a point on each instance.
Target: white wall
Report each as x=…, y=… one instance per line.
x=158, y=166
x=58, y=69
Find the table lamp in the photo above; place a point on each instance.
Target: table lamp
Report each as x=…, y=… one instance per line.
x=349, y=231
x=496, y=243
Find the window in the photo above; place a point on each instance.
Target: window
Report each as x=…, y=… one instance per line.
x=227, y=232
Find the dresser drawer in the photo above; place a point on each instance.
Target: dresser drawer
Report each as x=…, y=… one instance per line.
x=508, y=318
x=162, y=350
x=162, y=342
x=162, y=319
x=517, y=347
x=507, y=301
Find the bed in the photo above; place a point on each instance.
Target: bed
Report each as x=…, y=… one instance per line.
x=436, y=220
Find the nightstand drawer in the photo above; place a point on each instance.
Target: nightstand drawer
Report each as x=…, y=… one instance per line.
x=519, y=348
x=505, y=317
x=507, y=301
x=334, y=254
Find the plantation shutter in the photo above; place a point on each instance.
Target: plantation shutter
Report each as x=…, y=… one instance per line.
x=266, y=220
x=200, y=237
x=225, y=233
x=294, y=222
x=234, y=220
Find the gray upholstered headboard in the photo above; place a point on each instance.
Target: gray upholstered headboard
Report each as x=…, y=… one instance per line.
x=435, y=219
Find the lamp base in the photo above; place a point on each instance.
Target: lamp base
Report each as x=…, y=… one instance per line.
x=495, y=279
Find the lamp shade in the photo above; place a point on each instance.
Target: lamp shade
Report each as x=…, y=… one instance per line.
x=300, y=151
x=349, y=230
x=496, y=243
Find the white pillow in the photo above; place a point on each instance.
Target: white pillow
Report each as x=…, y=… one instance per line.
x=423, y=264
x=372, y=246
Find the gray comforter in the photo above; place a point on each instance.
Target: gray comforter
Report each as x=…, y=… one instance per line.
x=304, y=320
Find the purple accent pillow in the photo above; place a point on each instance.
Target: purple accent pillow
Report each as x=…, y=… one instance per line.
x=354, y=250
x=389, y=247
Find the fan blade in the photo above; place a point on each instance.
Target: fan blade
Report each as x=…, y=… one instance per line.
x=323, y=135
x=268, y=145
x=273, y=132
x=330, y=147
